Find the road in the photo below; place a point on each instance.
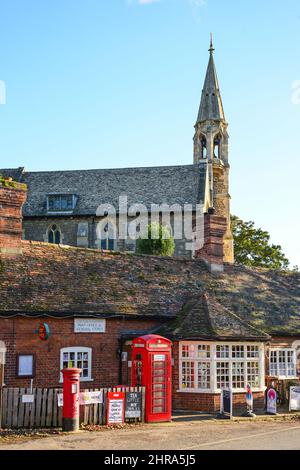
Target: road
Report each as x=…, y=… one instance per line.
x=193, y=435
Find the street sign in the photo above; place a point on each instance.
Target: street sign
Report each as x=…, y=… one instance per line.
x=295, y=399
x=272, y=402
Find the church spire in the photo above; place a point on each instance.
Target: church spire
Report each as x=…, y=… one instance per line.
x=211, y=106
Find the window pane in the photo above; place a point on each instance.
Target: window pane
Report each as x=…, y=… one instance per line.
x=237, y=352
x=188, y=350
x=188, y=375
x=253, y=374
x=204, y=375
x=252, y=352
x=222, y=351
x=203, y=351
x=238, y=375
x=223, y=379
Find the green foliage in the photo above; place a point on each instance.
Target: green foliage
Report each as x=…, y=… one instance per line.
x=252, y=247
x=156, y=241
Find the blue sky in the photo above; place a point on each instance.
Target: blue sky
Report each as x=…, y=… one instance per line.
x=117, y=83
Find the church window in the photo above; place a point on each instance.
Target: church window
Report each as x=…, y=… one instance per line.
x=54, y=234
x=107, y=237
x=61, y=202
x=203, y=148
x=217, y=147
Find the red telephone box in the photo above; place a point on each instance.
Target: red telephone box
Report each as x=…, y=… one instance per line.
x=151, y=368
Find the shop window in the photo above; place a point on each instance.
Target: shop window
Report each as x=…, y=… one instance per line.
x=78, y=357
x=25, y=365
x=209, y=367
x=283, y=363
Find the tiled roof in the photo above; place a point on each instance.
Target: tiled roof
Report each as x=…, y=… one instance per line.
x=49, y=279
x=204, y=318
x=155, y=185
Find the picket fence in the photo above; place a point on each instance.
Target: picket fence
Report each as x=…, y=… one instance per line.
x=44, y=412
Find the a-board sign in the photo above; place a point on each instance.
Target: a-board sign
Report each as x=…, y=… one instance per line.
x=226, y=402
x=294, y=398
x=271, y=401
x=133, y=405
x=115, y=408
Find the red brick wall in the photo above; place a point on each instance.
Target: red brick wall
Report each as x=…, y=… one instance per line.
x=20, y=337
x=11, y=202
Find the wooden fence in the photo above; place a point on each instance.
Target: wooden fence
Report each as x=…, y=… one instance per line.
x=44, y=412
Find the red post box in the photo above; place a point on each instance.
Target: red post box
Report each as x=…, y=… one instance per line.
x=71, y=399
x=151, y=368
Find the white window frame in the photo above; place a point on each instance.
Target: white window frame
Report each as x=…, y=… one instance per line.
x=285, y=351
x=213, y=360
x=75, y=350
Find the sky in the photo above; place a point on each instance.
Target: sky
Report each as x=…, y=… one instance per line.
x=117, y=83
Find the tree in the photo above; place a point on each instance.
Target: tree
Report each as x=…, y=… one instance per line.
x=156, y=241
x=252, y=246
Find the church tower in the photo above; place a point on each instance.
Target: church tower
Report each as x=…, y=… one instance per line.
x=211, y=150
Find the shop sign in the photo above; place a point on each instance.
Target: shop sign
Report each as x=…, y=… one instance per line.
x=27, y=398
x=272, y=402
x=133, y=405
x=115, y=408
x=90, y=398
x=226, y=402
x=294, y=398
x=82, y=325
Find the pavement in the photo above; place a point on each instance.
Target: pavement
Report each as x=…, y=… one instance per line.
x=186, y=432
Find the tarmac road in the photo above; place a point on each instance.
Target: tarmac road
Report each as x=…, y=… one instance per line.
x=191, y=435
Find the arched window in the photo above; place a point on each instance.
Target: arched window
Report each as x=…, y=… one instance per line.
x=217, y=147
x=54, y=234
x=106, y=233
x=203, y=147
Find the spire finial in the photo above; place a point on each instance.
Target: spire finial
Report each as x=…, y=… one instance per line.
x=211, y=49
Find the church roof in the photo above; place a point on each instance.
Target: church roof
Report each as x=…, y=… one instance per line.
x=211, y=106
x=66, y=281
x=155, y=185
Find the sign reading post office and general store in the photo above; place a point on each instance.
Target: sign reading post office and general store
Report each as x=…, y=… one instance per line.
x=82, y=325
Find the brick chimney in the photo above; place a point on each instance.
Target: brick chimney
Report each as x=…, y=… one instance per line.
x=12, y=198
x=212, y=252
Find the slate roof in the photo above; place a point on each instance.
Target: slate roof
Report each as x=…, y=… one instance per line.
x=204, y=318
x=155, y=185
x=56, y=280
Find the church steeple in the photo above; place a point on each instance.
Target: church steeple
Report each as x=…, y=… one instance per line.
x=211, y=150
x=211, y=106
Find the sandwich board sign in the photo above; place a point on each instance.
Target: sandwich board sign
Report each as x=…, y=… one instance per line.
x=226, y=402
x=295, y=399
x=133, y=405
x=272, y=402
x=115, y=408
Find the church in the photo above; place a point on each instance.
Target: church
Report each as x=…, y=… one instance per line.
x=230, y=325
x=61, y=206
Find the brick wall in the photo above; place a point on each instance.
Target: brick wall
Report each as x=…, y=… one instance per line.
x=213, y=250
x=12, y=198
x=20, y=337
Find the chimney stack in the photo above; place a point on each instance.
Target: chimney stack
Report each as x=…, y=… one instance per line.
x=212, y=252
x=12, y=198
